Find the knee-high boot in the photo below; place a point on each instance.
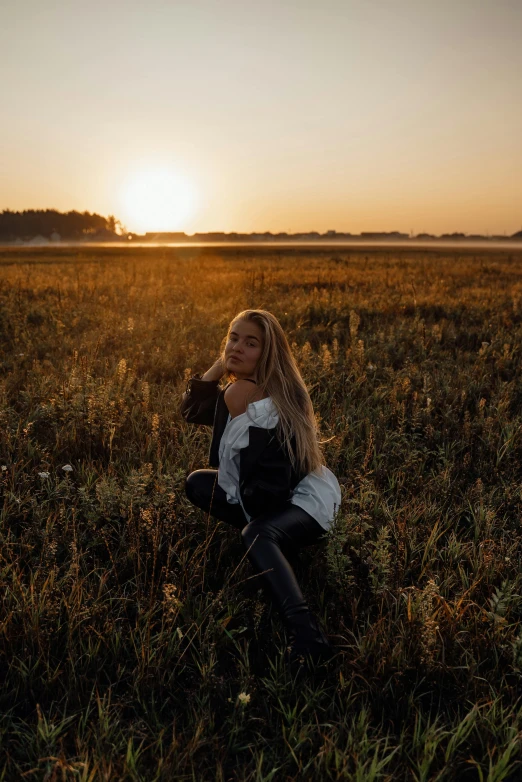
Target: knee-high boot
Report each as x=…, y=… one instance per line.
x=306, y=637
x=307, y=640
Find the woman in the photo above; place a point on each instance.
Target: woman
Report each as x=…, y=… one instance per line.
x=268, y=477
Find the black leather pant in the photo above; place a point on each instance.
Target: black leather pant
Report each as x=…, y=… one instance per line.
x=267, y=538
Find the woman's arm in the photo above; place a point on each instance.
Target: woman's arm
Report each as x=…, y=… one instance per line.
x=198, y=403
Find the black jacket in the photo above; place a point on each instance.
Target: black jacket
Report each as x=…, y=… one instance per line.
x=266, y=477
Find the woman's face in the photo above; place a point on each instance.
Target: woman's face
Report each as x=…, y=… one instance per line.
x=243, y=349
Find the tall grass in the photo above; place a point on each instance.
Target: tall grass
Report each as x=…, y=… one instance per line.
x=135, y=642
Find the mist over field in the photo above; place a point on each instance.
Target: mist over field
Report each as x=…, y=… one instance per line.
x=135, y=643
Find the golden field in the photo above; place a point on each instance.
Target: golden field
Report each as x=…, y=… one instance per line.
x=135, y=644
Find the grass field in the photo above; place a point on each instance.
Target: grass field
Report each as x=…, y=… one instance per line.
x=134, y=642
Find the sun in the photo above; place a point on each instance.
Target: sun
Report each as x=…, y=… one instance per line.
x=157, y=200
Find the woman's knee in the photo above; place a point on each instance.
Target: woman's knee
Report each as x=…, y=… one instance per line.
x=247, y=537
x=196, y=487
x=190, y=485
x=255, y=533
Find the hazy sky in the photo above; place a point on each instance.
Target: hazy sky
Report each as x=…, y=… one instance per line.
x=279, y=115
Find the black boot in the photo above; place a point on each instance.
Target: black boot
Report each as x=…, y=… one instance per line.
x=308, y=642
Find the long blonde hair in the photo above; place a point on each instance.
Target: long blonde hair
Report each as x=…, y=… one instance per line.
x=279, y=377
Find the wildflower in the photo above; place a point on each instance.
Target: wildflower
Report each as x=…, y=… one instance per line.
x=371, y=366
x=326, y=358
x=179, y=632
x=4, y=468
x=355, y=321
x=171, y=603
x=436, y=330
x=122, y=369
x=243, y=698
x=67, y=468
x=335, y=349
x=306, y=352
x=145, y=392
x=44, y=474
x=147, y=519
x=428, y=637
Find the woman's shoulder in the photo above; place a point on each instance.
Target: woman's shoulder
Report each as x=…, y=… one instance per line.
x=246, y=387
x=239, y=395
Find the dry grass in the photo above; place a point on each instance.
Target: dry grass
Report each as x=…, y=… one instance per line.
x=133, y=644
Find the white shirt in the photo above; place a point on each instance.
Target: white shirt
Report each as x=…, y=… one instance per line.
x=318, y=493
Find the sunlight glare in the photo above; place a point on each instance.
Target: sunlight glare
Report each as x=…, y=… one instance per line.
x=157, y=200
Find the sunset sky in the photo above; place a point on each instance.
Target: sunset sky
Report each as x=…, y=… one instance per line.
x=237, y=115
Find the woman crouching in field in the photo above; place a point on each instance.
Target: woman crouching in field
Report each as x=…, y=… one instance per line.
x=269, y=479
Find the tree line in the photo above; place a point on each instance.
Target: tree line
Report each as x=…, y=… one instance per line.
x=45, y=222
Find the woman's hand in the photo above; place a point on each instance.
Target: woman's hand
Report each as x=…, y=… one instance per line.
x=216, y=371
